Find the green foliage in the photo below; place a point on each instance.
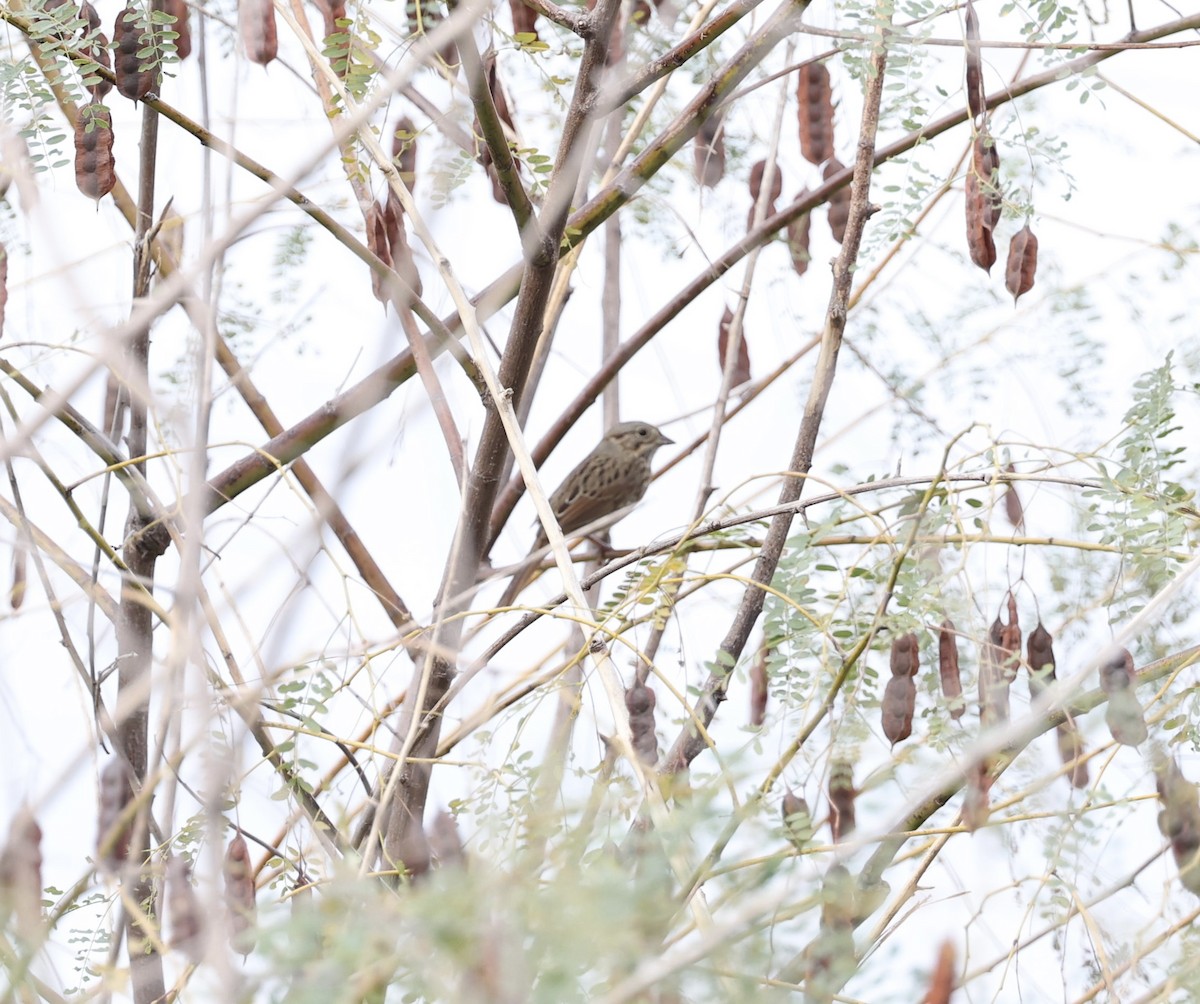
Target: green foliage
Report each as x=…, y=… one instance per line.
x=1139, y=508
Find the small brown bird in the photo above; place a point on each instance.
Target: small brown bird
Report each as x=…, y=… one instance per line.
x=614, y=475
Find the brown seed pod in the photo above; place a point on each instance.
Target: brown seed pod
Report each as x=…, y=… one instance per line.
x=797, y=820
x=239, y=896
x=985, y=159
x=1071, y=750
x=97, y=51
x=829, y=960
x=16, y=592
x=797, y=241
x=1039, y=649
x=21, y=877
x=57, y=15
x=332, y=11
x=404, y=150
x=639, y=702
x=993, y=684
x=183, y=908
x=976, y=98
x=899, y=698
x=1179, y=820
x=377, y=241
x=90, y=18
x=256, y=23
x=95, y=169
x=839, y=202
x=504, y=109
x=1117, y=671
x=446, y=842
x=984, y=201
x=402, y=258
x=980, y=244
x=948, y=671
x=178, y=9
x=841, y=799
x=757, y=172
x=708, y=150
x=906, y=655
x=976, y=808
x=1006, y=638
x=741, y=368
x=1125, y=719
x=524, y=19
x=114, y=825
x=1022, y=263
x=814, y=111
x=136, y=77
x=759, y=689
x=1012, y=502
x=941, y=980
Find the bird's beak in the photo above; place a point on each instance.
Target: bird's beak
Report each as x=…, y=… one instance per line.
x=663, y=440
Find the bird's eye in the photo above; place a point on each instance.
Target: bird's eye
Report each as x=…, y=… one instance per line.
x=643, y=432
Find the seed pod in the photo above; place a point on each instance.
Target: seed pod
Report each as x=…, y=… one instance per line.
x=639, y=702
x=996, y=672
x=1071, y=750
x=741, y=369
x=1012, y=502
x=136, y=76
x=830, y=960
x=95, y=172
x=797, y=241
x=90, y=18
x=239, y=896
x=984, y=201
x=504, y=109
x=332, y=11
x=21, y=877
x=3, y=284
x=899, y=698
x=797, y=820
x=256, y=23
x=814, y=111
x=1179, y=820
x=402, y=259
x=757, y=173
x=758, y=689
x=1022, y=263
x=708, y=150
x=906, y=655
x=948, y=670
x=986, y=162
x=839, y=202
x=57, y=15
x=97, y=51
x=1117, y=671
x=980, y=243
x=1125, y=719
x=446, y=842
x=404, y=151
x=976, y=807
x=1039, y=649
x=524, y=19
x=841, y=799
x=183, y=907
x=377, y=241
x=114, y=828
x=941, y=980
x=976, y=100
x=16, y=592
x=178, y=9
